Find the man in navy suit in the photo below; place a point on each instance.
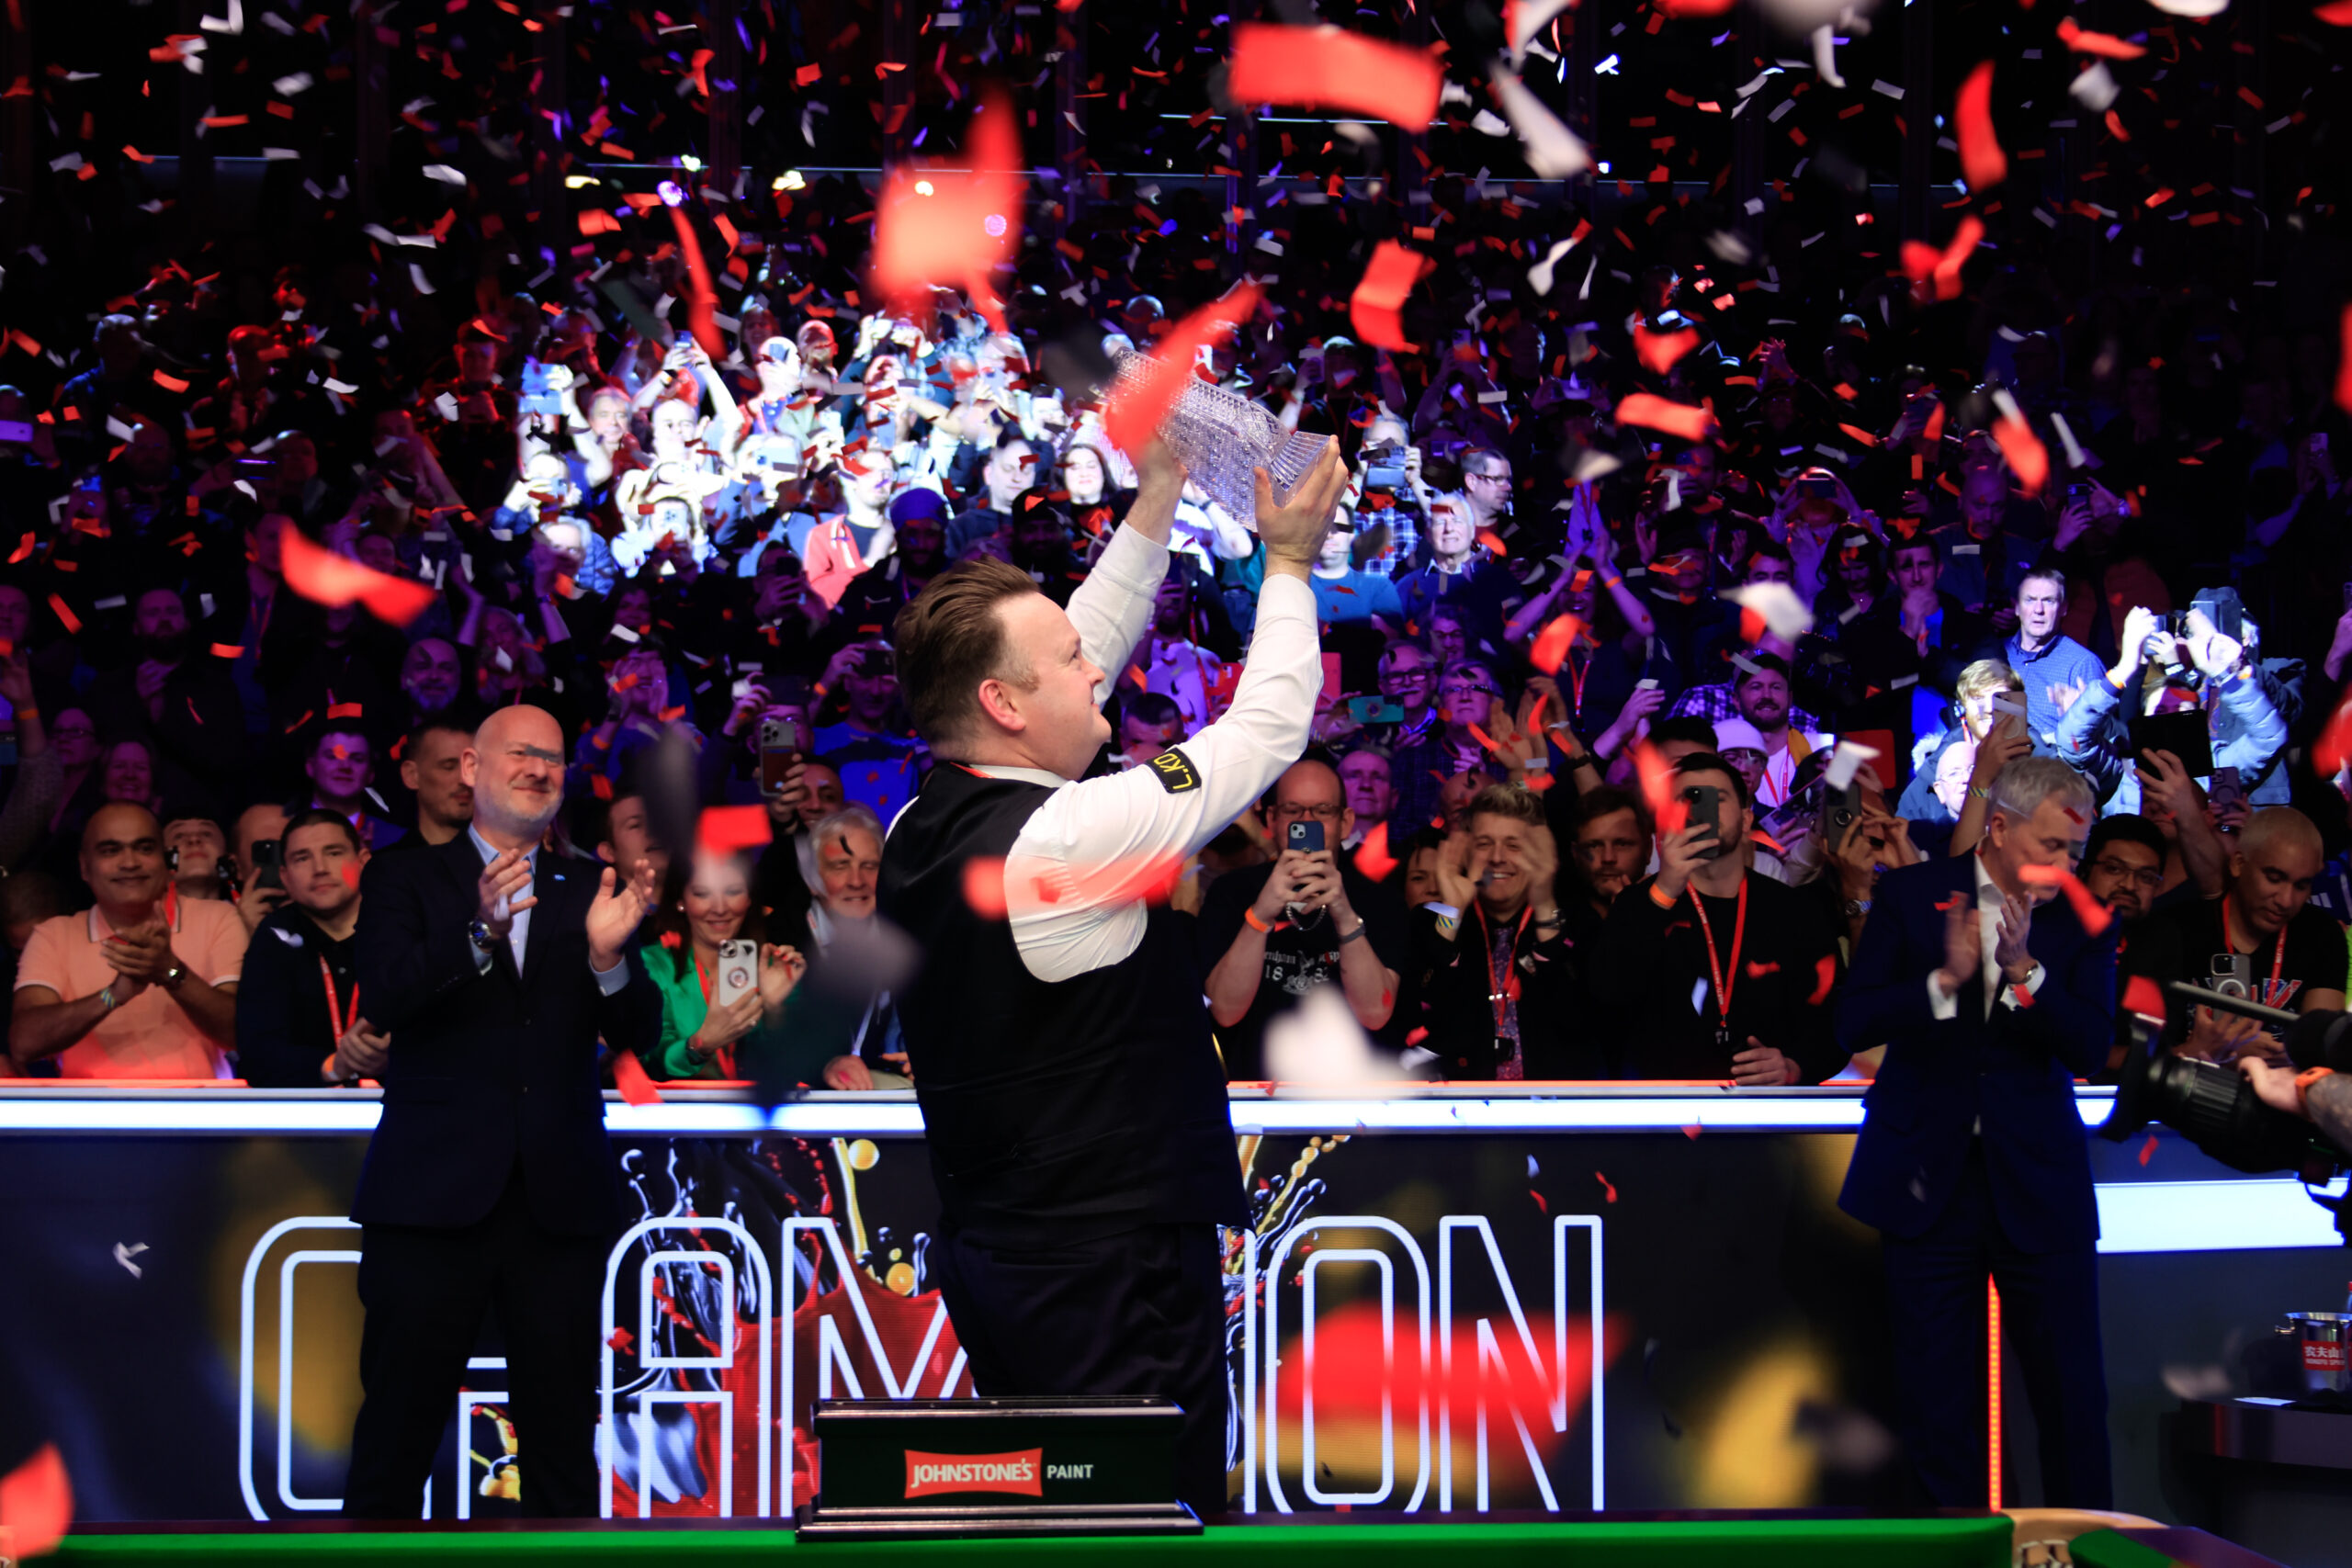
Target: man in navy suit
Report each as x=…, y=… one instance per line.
x=494, y=964
x=1990, y=999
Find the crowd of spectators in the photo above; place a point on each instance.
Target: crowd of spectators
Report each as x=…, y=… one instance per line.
x=2041, y=519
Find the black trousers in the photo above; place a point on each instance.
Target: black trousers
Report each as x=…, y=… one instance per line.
x=1935, y=1287
x=1140, y=1313
x=427, y=1292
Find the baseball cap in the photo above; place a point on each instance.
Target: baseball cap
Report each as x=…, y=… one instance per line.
x=918, y=502
x=1736, y=735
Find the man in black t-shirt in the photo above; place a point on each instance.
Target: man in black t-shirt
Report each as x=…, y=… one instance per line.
x=1271, y=933
x=2261, y=938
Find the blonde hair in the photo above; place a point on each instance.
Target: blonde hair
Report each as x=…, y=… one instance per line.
x=1987, y=675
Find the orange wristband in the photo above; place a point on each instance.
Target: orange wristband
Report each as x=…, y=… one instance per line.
x=2308, y=1077
x=1658, y=898
x=1251, y=918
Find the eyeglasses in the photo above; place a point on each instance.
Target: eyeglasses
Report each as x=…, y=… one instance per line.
x=1285, y=811
x=1466, y=689
x=2150, y=879
x=1404, y=677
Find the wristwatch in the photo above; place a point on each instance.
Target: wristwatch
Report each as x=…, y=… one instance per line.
x=483, y=936
x=173, y=976
x=1857, y=907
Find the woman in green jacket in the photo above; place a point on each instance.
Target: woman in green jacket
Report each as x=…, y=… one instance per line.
x=699, y=1038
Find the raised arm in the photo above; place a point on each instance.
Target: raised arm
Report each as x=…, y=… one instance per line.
x=1113, y=607
x=1093, y=847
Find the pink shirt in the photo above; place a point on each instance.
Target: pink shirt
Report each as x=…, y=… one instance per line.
x=148, y=1036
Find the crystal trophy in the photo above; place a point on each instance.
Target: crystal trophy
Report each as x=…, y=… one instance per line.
x=1219, y=436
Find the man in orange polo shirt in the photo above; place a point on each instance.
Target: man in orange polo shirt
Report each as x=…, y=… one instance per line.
x=132, y=989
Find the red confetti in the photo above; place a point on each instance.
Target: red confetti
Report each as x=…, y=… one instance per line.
x=1131, y=419
x=1539, y=1199
x=702, y=299
x=2344, y=366
x=723, y=829
x=629, y=1076
x=2096, y=917
x=624, y=1341
x=344, y=710
x=1926, y=265
x=228, y=650
x=1374, y=309
x=1667, y=809
x=2148, y=1150
x=323, y=576
x=960, y=232
x=984, y=887
x=1372, y=858
x=1658, y=351
x=37, y=1502
x=1607, y=1191
x=1679, y=420
x=65, y=614
x=1326, y=68
x=2082, y=40
x=2143, y=996
x=1981, y=158
x=2024, y=450
x=1824, y=974
x=2336, y=16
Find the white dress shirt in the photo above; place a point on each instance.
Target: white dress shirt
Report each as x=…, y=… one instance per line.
x=1988, y=925
x=1071, y=910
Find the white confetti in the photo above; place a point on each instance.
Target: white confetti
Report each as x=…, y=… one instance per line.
x=445, y=174
x=1539, y=276
x=1847, y=762
x=1552, y=150
x=1784, y=614
x=124, y=1254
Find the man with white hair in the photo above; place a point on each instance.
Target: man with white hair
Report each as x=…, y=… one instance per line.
x=1990, y=997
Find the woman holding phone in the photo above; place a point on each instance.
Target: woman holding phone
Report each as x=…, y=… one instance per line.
x=718, y=981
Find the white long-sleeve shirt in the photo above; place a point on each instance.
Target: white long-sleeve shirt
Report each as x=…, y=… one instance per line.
x=1071, y=910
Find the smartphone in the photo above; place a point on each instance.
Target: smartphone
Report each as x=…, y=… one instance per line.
x=739, y=970
x=1706, y=811
x=1305, y=837
x=744, y=685
x=782, y=745
x=1645, y=684
x=2187, y=736
x=19, y=433
x=2227, y=791
x=1818, y=482
x=1840, y=809
x=1375, y=710
x=265, y=864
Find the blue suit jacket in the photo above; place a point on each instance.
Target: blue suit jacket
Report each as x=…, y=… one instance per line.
x=486, y=1071
x=2011, y=1073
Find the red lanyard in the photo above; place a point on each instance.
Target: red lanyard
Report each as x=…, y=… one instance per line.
x=704, y=975
x=1576, y=682
x=1504, y=987
x=1726, y=975
x=336, y=1020
x=2277, y=952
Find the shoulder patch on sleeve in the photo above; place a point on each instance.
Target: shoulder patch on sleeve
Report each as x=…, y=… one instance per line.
x=1175, y=772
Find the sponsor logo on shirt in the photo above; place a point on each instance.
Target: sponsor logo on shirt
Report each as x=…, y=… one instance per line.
x=1021, y=1474
x=1175, y=772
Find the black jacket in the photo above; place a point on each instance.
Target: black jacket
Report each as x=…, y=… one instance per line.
x=284, y=1032
x=1557, y=1034
x=490, y=1072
